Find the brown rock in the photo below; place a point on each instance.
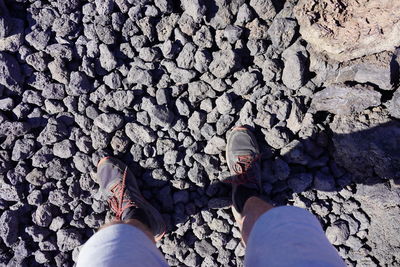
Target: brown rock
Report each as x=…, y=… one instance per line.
x=349, y=29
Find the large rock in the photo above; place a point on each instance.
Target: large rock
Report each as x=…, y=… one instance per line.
x=295, y=70
x=341, y=99
x=367, y=147
x=349, y=29
x=381, y=203
x=381, y=69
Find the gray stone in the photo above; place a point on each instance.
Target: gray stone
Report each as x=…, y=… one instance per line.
x=78, y=84
x=232, y=33
x=264, y=8
x=68, y=239
x=196, y=9
x=36, y=177
x=120, y=142
x=57, y=169
x=215, y=145
x=54, y=131
x=338, y=232
x=208, y=132
x=342, y=100
x=64, y=149
x=202, y=60
x=149, y=54
x=104, y=7
x=294, y=72
x=203, y=37
x=196, y=174
x=379, y=201
x=38, y=39
x=245, y=83
x=82, y=162
x=272, y=70
x=220, y=226
x=59, y=197
x=113, y=80
x=281, y=32
x=118, y=100
x=43, y=215
x=224, y=104
x=165, y=27
x=224, y=62
x=140, y=76
x=299, y=182
x=367, y=72
x=294, y=122
x=258, y=30
x=6, y=104
x=171, y=157
x=185, y=58
x=10, y=74
x=204, y=248
x=182, y=107
x=160, y=115
x=9, y=222
x=276, y=137
x=54, y=91
x=107, y=59
x=42, y=157
x=109, y=122
x=9, y=192
x=37, y=61
x=37, y=233
x=187, y=24
x=139, y=134
x=324, y=182
x=244, y=14
x=23, y=149
x=224, y=123
x=199, y=91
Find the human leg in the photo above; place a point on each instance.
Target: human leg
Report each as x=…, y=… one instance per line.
x=137, y=225
x=252, y=210
x=242, y=154
x=289, y=236
x=282, y=236
x=120, y=245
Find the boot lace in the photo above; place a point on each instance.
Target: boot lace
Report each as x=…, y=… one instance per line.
x=241, y=168
x=120, y=200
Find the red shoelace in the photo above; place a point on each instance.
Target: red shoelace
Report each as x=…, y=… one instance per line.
x=120, y=197
x=241, y=167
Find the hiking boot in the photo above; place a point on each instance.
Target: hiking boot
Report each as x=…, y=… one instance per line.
x=118, y=185
x=242, y=155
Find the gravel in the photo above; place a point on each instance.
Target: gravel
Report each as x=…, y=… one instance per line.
x=159, y=84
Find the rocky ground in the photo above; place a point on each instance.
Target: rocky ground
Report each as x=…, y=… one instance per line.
x=159, y=84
